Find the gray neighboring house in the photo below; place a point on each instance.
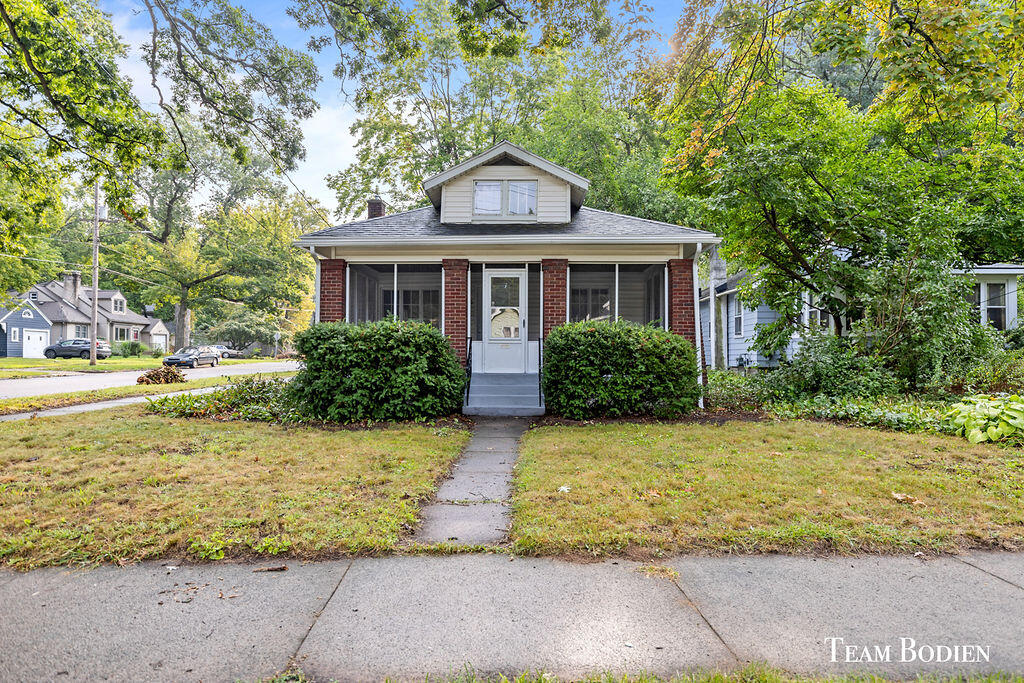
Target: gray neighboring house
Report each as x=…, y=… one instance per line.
x=994, y=297
x=68, y=306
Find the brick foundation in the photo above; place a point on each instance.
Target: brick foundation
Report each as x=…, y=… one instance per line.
x=332, y=290
x=681, y=316
x=456, y=288
x=554, y=271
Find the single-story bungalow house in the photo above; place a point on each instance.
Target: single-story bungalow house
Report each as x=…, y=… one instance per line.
x=68, y=305
x=504, y=252
x=994, y=297
x=24, y=331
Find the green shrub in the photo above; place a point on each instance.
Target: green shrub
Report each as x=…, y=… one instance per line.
x=165, y=374
x=898, y=414
x=1014, y=339
x=727, y=390
x=156, y=353
x=614, y=369
x=830, y=366
x=1001, y=372
x=388, y=370
x=988, y=418
x=131, y=348
x=248, y=398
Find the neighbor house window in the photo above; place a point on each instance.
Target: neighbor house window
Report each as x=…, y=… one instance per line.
x=34, y=296
x=996, y=305
x=974, y=299
x=27, y=314
x=81, y=331
x=487, y=198
x=817, y=316
x=119, y=306
x=505, y=198
x=135, y=334
x=737, y=318
x=120, y=334
x=522, y=198
x=14, y=334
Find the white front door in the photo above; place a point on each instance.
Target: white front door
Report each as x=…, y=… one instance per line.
x=33, y=343
x=504, y=328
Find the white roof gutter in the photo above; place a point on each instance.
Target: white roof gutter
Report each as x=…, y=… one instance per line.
x=517, y=239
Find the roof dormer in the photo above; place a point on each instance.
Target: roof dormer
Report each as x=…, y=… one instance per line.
x=506, y=184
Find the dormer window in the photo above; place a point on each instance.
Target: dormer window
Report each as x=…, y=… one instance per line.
x=34, y=296
x=505, y=198
x=119, y=306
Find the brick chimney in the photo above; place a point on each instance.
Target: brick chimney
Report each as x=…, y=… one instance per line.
x=72, y=285
x=375, y=207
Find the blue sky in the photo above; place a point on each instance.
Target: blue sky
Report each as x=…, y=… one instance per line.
x=329, y=146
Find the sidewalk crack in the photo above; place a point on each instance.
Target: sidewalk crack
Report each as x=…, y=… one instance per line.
x=697, y=609
x=985, y=571
x=293, y=660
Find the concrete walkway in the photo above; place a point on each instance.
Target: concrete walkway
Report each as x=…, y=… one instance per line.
x=408, y=617
x=88, y=381
x=470, y=507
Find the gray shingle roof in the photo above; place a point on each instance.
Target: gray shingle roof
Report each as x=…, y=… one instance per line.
x=425, y=225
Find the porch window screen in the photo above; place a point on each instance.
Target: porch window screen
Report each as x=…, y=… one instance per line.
x=591, y=292
x=996, y=304
x=641, y=293
x=373, y=287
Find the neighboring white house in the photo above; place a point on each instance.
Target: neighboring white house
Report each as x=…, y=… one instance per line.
x=994, y=297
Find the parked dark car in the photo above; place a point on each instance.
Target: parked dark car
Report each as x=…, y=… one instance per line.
x=227, y=352
x=194, y=356
x=77, y=348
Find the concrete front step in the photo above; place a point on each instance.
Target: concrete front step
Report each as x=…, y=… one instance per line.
x=502, y=411
x=504, y=379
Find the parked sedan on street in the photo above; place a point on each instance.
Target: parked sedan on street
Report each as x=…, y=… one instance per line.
x=194, y=356
x=227, y=352
x=77, y=348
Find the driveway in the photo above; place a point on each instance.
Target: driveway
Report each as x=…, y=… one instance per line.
x=40, y=386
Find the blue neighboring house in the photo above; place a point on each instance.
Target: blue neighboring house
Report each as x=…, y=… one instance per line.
x=994, y=297
x=24, y=330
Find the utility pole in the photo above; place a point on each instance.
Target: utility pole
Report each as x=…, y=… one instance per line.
x=94, y=337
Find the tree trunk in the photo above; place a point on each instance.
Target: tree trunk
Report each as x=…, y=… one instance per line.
x=182, y=320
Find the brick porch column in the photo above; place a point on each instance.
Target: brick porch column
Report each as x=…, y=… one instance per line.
x=456, y=289
x=332, y=290
x=682, y=318
x=554, y=271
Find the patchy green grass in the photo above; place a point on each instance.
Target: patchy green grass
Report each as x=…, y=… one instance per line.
x=752, y=673
x=112, y=364
x=790, y=486
x=22, y=374
x=122, y=486
x=29, y=404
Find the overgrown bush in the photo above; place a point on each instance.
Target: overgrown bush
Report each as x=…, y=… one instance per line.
x=830, y=366
x=248, y=398
x=1000, y=372
x=1014, y=339
x=988, y=418
x=613, y=369
x=898, y=414
x=388, y=370
x=131, y=348
x=156, y=353
x=165, y=374
x=727, y=390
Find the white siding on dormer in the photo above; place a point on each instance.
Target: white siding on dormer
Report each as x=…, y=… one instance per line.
x=552, y=195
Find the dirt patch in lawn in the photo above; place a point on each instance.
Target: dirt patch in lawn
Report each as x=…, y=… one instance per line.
x=644, y=490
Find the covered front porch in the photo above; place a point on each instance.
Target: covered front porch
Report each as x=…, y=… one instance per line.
x=496, y=312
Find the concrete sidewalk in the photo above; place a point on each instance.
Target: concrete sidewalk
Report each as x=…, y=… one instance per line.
x=408, y=617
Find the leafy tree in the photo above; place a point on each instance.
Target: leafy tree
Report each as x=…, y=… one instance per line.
x=241, y=328
x=812, y=206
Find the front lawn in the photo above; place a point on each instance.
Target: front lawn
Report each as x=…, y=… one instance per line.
x=26, y=404
x=121, y=486
x=112, y=364
x=790, y=486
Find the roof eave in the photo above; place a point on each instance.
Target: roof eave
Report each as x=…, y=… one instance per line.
x=707, y=238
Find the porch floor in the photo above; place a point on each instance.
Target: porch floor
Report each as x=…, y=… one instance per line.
x=504, y=395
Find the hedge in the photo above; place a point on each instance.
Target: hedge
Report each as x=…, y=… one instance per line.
x=615, y=369
x=388, y=370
